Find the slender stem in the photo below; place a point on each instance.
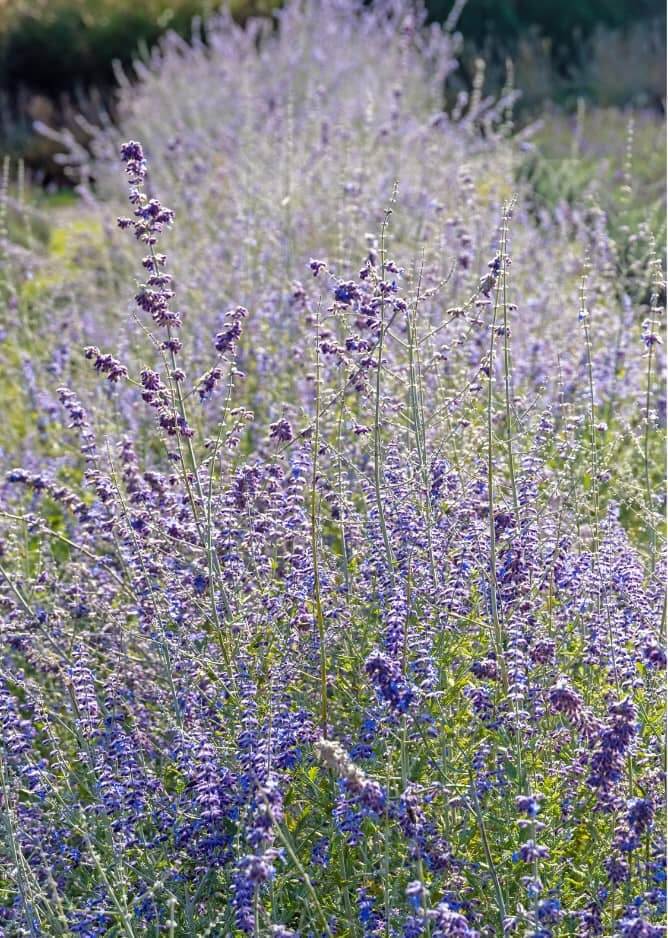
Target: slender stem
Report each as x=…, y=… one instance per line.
x=507, y=364
x=17, y=857
x=377, y=466
x=648, y=485
x=320, y=620
x=650, y=339
x=342, y=509
x=496, y=621
x=387, y=879
x=206, y=539
x=488, y=855
x=585, y=320
x=417, y=408
x=285, y=840
x=121, y=907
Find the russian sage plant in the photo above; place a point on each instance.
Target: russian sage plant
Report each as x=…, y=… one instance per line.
x=331, y=569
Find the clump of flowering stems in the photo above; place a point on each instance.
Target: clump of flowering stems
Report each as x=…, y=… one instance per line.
x=326, y=607
x=154, y=297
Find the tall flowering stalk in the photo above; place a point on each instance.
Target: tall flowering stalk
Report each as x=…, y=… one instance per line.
x=154, y=297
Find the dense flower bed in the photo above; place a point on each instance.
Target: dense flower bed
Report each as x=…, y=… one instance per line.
x=332, y=577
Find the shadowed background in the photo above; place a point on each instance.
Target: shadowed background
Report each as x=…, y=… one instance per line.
x=58, y=57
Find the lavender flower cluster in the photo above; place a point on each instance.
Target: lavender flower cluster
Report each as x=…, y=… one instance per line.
x=332, y=595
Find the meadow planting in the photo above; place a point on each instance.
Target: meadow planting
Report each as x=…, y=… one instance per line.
x=331, y=514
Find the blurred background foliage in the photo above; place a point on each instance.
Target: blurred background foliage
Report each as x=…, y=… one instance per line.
x=56, y=45
x=56, y=64
x=52, y=46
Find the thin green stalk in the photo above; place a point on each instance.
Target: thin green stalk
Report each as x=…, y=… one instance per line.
x=320, y=620
x=203, y=530
x=285, y=840
x=31, y=915
x=650, y=341
x=121, y=906
x=377, y=465
x=342, y=513
x=211, y=554
x=501, y=906
x=496, y=621
x=416, y=399
x=506, y=361
x=386, y=855
x=585, y=320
